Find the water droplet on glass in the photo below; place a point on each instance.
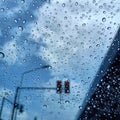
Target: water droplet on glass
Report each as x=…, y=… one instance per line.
x=80, y=107
x=2, y=9
x=108, y=28
x=2, y=55
x=103, y=19
x=44, y=106
x=20, y=28
x=22, y=1
x=12, y=36
x=24, y=60
x=84, y=24
x=67, y=101
x=24, y=21
x=20, y=11
x=15, y=20
x=98, y=45
x=6, y=93
x=63, y=4
x=104, y=12
x=76, y=3
x=108, y=86
x=65, y=17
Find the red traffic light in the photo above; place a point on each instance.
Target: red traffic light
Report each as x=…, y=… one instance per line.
x=67, y=86
x=59, y=83
x=59, y=86
x=21, y=109
x=67, y=83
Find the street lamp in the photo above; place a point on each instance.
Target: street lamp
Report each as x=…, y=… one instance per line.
x=26, y=88
x=14, y=111
x=32, y=70
x=2, y=105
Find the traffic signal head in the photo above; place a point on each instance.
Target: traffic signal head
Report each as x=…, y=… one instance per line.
x=59, y=87
x=67, y=86
x=21, y=109
x=16, y=105
x=35, y=118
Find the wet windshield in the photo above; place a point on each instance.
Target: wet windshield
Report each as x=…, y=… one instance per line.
x=50, y=52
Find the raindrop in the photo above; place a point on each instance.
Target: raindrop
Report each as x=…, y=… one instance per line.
x=104, y=12
x=108, y=87
x=2, y=55
x=63, y=4
x=103, y=19
x=20, y=11
x=65, y=17
x=20, y=28
x=68, y=43
x=2, y=9
x=24, y=60
x=59, y=102
x=98, y=45
x=45, y=106
x=31, y=16
x=84, y=24
x=24, y=21
x=80, y=107
x=22, y=1
x=61, y=37
x=12, y=36
x=76, y=3
x=67, y=101
x=15, y=20
x=108, y=28
x=6, y=93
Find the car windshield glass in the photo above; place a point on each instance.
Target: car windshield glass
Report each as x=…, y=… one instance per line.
x=50, y=53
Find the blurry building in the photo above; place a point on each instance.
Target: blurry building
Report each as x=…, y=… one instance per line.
x=103, y=99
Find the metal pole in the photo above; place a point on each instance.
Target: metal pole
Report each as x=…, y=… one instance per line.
x=14, y=111
x=22, y=78
x=2, y=105
x=14, y=103
x=32, y=70
x=3, y=100
x=13, y=116
x=35, y=118
x=21, y=82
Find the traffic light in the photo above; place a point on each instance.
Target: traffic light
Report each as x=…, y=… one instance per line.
x=67, y=86
x=21, y=108
x=16, y=105
x=35, y=118
x=59, y=87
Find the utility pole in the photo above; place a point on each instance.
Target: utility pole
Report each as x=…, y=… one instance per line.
x=2, y=105
x=35, y=118
x=25, y=88
x=21, y=82
x=14, y=104
x=58, y=89
x=32, y=70
x=3, y=100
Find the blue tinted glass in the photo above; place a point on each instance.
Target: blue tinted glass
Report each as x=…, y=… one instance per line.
x=45, y=41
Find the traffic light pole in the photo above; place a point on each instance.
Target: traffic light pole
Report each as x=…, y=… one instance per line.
x=18, y=90
x=3, y=100
x=2, y=104
x=15, y=100
x=32, y=70
x=22, y=78
x=25, y=88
